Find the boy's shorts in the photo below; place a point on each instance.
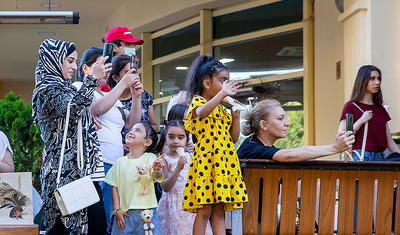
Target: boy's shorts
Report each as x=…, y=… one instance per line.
x=134, y=224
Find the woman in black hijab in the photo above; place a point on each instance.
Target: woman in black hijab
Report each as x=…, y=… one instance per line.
x=53, y=91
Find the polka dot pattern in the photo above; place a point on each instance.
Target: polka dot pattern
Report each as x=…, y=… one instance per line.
x=214, y=173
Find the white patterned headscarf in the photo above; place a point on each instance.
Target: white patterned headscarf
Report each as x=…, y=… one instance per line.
x=48, y=72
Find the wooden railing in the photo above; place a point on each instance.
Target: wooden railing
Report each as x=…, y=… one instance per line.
x=350, y=187
x=19, y=229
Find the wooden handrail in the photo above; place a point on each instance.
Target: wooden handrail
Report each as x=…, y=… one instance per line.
x=347, y=192
x=323, y=165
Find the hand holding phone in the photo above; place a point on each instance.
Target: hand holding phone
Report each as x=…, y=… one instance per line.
x=349, y=122
x=134, y=62
x=108, y=51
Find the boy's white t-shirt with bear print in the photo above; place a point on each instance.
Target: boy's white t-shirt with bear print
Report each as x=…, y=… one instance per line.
x=125, y=176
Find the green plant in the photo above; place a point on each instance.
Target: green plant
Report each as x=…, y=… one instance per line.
x=16, y=119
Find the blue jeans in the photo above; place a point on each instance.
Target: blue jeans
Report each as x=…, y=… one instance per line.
x=107, y=198
x=369, y=156
x=134, y=224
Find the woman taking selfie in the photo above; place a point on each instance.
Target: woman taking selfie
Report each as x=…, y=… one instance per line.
x=53, y=91
x=120, y=66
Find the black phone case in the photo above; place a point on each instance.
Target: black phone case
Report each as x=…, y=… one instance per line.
x=349, y=122
x=108, y=51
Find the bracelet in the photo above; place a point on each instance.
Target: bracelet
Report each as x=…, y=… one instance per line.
x=115, y=211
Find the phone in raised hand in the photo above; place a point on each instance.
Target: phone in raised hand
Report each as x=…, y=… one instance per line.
x=133, y=62
x=349, y=122
x=108, y=51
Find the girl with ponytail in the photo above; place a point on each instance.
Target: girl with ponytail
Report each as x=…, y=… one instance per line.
x=214, y=184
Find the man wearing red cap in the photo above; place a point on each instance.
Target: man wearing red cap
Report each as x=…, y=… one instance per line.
x=124, y=43
x=123, y=40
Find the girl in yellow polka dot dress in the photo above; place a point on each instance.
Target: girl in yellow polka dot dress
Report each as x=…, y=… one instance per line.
x=214, y=184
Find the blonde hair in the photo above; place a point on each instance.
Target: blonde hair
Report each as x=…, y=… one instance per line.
x=260, y=112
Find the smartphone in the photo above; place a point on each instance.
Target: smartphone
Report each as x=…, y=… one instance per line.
x=349, y=122
x=108, y=51
x=134, y=63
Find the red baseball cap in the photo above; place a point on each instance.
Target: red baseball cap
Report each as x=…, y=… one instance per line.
x=123, y=34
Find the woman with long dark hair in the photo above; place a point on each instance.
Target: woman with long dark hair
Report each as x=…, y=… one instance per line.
x=120, y=66
x=366, y=106
x=108, y=110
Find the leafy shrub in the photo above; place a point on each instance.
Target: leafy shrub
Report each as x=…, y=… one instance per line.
x=16, y=119
x=295, y=133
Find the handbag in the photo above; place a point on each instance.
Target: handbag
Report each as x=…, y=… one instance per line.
x=80, y=193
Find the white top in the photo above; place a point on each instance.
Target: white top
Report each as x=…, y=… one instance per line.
x=109, y=134
x=4, y=144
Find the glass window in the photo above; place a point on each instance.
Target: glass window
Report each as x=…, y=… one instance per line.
x=266, y=56
x=177, y=40
x=170, y=77
x=258, y=18
x=161, y=111
x=271, y=55
x=289, y=93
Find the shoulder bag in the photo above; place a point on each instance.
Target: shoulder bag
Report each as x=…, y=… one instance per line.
x=80, y=193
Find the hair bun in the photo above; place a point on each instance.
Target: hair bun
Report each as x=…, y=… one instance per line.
x=246, y=128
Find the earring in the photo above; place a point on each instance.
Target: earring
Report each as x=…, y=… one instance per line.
x=263, y=125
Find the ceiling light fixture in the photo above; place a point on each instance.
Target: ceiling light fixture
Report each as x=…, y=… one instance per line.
x=226, y=60
x=47, y=34
x=39, y=17
x=181, y=68
x=51, y=5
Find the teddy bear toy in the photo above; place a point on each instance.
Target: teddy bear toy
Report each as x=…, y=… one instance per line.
x=143, y=177
x=148, y=226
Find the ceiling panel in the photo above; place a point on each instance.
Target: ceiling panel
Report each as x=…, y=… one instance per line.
x=20, y=43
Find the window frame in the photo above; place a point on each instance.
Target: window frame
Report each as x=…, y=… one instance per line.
x=207, y=44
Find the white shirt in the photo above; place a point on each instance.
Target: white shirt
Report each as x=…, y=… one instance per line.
x=4, y=145
x=109, y=134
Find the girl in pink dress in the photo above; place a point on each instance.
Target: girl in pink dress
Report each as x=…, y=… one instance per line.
x=173, y=219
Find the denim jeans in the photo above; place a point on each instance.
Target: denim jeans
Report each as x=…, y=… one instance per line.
x=107, y=198
x=369, y=156
x=134, y=224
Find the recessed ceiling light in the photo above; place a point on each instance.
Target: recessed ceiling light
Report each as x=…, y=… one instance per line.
x=181, y=68
x=226, y=60
x=52, y=5
x=47, y=33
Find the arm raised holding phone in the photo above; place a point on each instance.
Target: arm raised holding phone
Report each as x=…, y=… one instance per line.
x=103, y=105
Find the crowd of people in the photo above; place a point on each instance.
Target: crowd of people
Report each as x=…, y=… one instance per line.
x=188, y=174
